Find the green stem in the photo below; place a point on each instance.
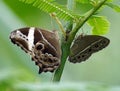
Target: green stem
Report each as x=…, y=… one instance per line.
x=65, y=45
x=65, y=52
x=84, y=19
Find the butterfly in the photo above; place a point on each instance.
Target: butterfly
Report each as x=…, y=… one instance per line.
x=84, y=46
x=42, y=45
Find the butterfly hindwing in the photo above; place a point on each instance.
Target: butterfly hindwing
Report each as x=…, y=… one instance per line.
x=84, y=46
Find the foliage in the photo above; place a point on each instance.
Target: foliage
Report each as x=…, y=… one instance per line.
x=114, y=6
x=97, y=22
x=10, y=77
x=50, y=7
x=100, y=25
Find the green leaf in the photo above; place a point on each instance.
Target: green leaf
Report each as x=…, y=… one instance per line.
x=90, y=1
x=83, y=1
x=109, y=0
x=114, y=6
x=50, y=7
x=100, y=25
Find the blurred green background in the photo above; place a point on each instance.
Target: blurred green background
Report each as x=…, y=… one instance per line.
x=16, y=67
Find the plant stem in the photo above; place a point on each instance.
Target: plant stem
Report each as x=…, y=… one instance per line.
x=84, y=19
x=65, y=52
x=65, y=45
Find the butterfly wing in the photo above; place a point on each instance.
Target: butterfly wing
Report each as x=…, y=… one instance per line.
x=43, y=46
x=84, y=46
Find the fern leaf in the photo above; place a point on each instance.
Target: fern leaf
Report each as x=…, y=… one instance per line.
x=50, y=7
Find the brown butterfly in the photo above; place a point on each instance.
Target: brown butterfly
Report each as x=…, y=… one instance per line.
x=43, y=46
x=84, y=46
